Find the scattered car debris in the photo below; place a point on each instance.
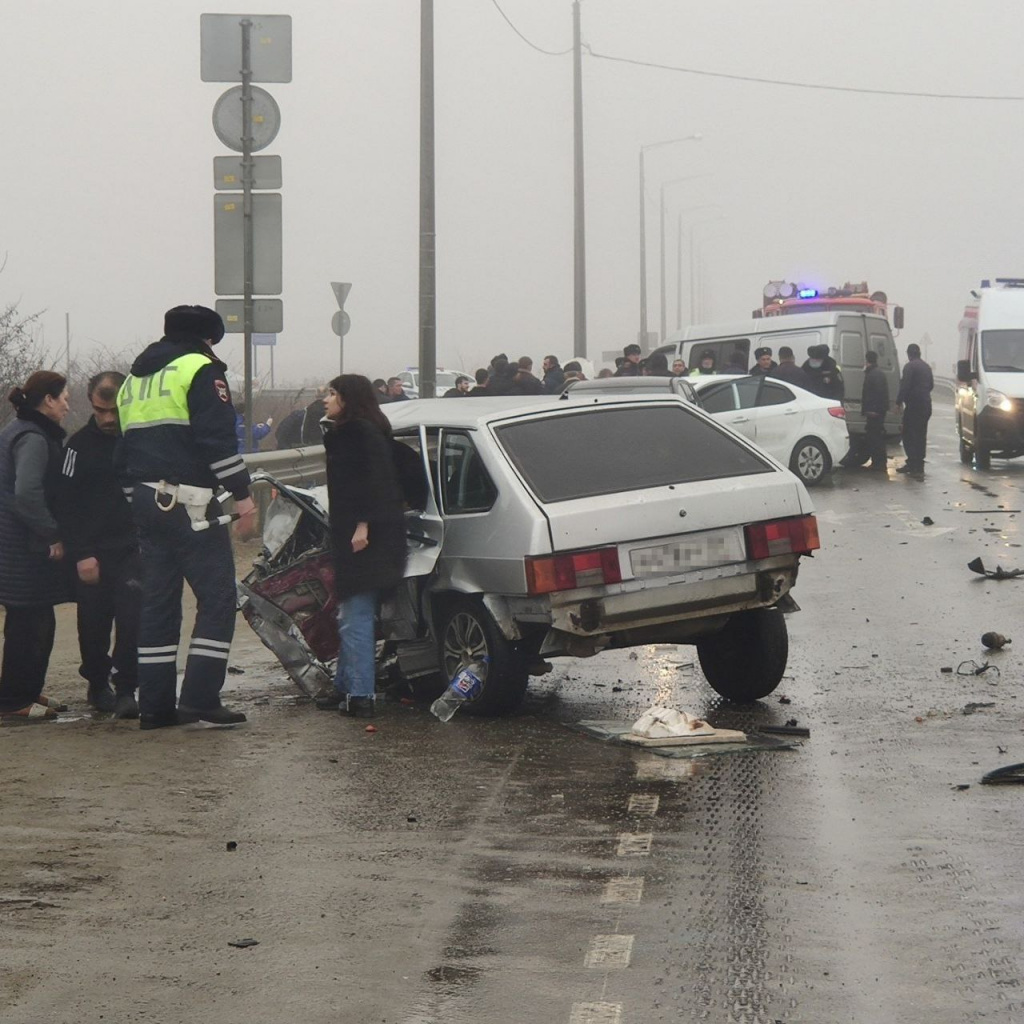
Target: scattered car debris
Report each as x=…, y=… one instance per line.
x=785, y=730
x=371, y=728
x=785, y=700
x=998, y=573
x=962, y=786
x=974, y=706
x=927, y=521
x=995, y=641
x=975, y=669
x=1011, y=774
x=234, y=670
x=411, y=818
x=243, y=943
x=666, y=727
x=1000, y=750
x=946, y=668
x=231, y=846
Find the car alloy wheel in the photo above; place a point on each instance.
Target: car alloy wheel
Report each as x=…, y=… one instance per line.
x=811, y=461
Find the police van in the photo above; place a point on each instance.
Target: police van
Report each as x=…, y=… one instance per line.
x=847, y=335
x=990, y=373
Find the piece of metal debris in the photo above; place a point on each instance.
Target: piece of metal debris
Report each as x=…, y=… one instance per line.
x=975, y=705
x=243, y=943
x=974, y=669
x=1011, y=774
x=998, y=573
x=995, y=641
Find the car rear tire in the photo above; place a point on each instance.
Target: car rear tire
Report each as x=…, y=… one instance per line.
x=982, y=456
x=811, y=461
x=466, y=632
x=746, y=659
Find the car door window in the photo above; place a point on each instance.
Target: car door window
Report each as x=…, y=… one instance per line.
x=721, y=398
x=774, y=394
x=746, y=391
x=466, y=486
x=851, y=349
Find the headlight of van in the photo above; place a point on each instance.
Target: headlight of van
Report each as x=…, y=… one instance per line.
x=999, y=401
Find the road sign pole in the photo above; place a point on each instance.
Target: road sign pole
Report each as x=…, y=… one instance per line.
x=247, y=243
x=428, y=241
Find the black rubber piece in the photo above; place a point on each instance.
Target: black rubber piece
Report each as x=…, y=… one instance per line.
x=784, y=730
x=1010, y=775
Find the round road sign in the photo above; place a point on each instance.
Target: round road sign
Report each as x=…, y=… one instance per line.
x=340, y=323
x=227, y=118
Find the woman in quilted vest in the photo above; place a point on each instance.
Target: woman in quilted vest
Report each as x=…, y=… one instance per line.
x=32, y=574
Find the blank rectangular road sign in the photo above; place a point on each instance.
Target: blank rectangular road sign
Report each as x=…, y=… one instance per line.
x=220, y=47
x=267, y=315
x=227, y=172
x=228, y=254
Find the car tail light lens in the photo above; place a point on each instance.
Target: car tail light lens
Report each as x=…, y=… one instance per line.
x=838, y=411
x=567, y=572
x=798, y=535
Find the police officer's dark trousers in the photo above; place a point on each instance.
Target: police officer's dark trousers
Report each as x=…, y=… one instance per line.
x=915, y=433
x=173, y=552
x=113, y=603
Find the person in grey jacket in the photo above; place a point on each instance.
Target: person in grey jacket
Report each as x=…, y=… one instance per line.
x=32, y=576
x=874, y=403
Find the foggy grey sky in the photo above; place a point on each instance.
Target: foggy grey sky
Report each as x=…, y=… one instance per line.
x=107, y=170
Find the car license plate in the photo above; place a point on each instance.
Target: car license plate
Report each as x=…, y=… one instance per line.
x=698, y=551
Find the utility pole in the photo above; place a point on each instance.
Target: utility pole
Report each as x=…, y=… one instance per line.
x=248, y=270
x=67, y=344
x=428, y=240
x=642, y=340
x=579, y=211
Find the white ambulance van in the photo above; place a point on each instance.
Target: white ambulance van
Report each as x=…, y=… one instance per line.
x=990, y=373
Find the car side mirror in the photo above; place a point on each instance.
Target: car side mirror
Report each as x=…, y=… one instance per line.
x=897, y=317
x=964, y=373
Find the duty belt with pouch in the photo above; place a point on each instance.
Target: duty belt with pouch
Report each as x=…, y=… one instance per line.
x=194, y=500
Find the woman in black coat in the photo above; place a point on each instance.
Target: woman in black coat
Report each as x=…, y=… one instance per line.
x=32, y=577
x=367, y=530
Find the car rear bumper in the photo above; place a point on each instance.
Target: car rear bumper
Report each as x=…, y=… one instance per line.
x=703, y=593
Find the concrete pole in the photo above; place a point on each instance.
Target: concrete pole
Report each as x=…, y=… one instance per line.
x=428, y=237
x=579, y=347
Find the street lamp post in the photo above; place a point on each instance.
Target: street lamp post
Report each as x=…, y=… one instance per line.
x=643, y=227
x=693, y=262
x=661, y=225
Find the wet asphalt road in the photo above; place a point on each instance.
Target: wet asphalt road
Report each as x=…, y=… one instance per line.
x=517, y=870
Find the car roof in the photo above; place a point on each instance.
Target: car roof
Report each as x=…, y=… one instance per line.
x=473, y=413
x=788, y=324
x=614, y=383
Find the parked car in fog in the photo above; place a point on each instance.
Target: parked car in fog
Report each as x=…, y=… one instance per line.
x=548, y=527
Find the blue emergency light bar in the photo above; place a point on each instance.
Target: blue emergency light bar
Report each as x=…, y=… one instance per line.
x=808, y=293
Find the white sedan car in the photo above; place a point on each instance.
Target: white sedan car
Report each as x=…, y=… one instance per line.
x=800, y=429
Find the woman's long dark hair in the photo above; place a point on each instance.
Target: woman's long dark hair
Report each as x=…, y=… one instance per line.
x=360, y=401
x=31, y=394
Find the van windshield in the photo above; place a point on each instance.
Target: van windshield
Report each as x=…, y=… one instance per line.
x=1003, y=351
x=611, y=449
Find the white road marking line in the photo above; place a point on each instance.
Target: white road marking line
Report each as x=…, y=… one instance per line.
x=624, y=889
x=609, y=952
x=665, y=769
x=634, y=844
x=644, y=804
x=596, y=1013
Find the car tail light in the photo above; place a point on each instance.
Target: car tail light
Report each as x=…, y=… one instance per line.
x=838, y=411
x=567, y=572
x=798, y=535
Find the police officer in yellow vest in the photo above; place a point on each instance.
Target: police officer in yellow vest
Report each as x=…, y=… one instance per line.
x=179, y=448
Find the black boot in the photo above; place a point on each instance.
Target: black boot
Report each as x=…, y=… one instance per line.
x=219, y=715
x=127, y=706
x=160, y=720
x=360, y=707
x=101, y=697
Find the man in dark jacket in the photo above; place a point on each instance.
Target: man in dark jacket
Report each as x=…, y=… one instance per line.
x=525, y=383
x=100, y=541
x=312, y=432
x=631, y=364
x=289, y=430
x=824, y=373
x=788, y=371
x=763, y=363
x=915, y=398
x=874, y=403
x=480, y=388
x=554, y=375
x=178, y=447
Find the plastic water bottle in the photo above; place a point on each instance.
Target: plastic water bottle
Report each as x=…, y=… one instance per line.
x=466, y=684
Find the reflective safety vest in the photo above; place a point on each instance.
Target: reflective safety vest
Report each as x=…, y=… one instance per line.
x=161, y=398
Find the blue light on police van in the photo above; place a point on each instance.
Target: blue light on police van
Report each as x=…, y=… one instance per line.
x=808, y=293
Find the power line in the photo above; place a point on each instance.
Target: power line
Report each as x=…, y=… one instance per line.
x=800, y=85
x=539, y=49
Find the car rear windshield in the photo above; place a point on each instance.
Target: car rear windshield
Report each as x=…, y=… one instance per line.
x=609, y=449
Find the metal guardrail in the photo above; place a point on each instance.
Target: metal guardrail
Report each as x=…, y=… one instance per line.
x=305, y=467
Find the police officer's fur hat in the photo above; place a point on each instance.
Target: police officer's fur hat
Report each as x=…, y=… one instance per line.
x=632, y=350
x=199, y=321
x=763, y=351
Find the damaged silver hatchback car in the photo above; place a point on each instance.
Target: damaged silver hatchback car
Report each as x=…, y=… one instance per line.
x=556, y=528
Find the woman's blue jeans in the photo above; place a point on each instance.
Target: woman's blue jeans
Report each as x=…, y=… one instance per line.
x=358, y=634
